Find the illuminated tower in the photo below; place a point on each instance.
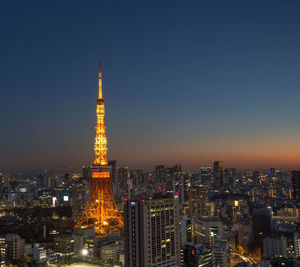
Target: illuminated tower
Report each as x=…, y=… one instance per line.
x=101, y=210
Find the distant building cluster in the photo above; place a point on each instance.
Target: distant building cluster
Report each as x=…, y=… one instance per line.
x=214, y=217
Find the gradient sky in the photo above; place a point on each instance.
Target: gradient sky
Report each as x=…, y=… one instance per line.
x=183, y=82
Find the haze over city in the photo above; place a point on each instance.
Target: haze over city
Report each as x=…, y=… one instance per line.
x=185, y=84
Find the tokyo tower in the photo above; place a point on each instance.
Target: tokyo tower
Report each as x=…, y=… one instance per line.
x=101, y=211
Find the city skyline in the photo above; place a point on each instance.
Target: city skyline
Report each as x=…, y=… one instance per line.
x=182, y=86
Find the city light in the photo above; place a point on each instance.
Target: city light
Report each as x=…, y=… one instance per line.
x=84, y=252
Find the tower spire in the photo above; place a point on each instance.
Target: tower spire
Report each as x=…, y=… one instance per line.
x=100, y=80
x=100, y=146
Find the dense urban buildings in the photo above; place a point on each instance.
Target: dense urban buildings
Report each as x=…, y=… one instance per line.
x=172, y=218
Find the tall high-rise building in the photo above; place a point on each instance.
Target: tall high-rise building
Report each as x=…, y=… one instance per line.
x=295, y=179
x=197, y=198
x=67, y=178
x=261, y=224
x=86, y=172
x=80, y=196
x=229, y=176
x=160, y=172
x=176, y=170
x=137, y=177
x=186, y=229
x=152, y=232
x=114, y=178
x=218, y=174
x=101, y=210
x=43, y=179
x=271, y=174
x=206, y=175
x=123, y=176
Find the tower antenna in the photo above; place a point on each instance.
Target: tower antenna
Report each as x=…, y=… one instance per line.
x=100, y=80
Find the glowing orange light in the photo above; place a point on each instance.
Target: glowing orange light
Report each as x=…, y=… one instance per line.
x=100, y=175
x=101, y=211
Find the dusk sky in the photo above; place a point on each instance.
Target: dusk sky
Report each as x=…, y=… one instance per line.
x=185, y=82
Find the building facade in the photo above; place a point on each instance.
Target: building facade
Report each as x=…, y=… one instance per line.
x=152, y=232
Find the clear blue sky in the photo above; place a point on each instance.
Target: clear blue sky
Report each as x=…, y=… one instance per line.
x=184, y=81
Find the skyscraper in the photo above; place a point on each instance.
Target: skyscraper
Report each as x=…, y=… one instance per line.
x=101, y=210
x=261, y=224
x=152, y=232
x=271, y=174
x=206, y=174
x=114, y=178
x=86, y=172
x=198, y=197
x=123, y=176
x=218, y=174
x=295, y=179
x=160, y=172
x=229, y=176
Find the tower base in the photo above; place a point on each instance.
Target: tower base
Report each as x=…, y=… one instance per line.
x=101, y=211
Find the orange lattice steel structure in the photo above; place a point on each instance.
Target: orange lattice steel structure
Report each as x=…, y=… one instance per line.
x=101, y=210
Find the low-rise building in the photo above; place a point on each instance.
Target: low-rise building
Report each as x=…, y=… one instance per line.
x=39, y=254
